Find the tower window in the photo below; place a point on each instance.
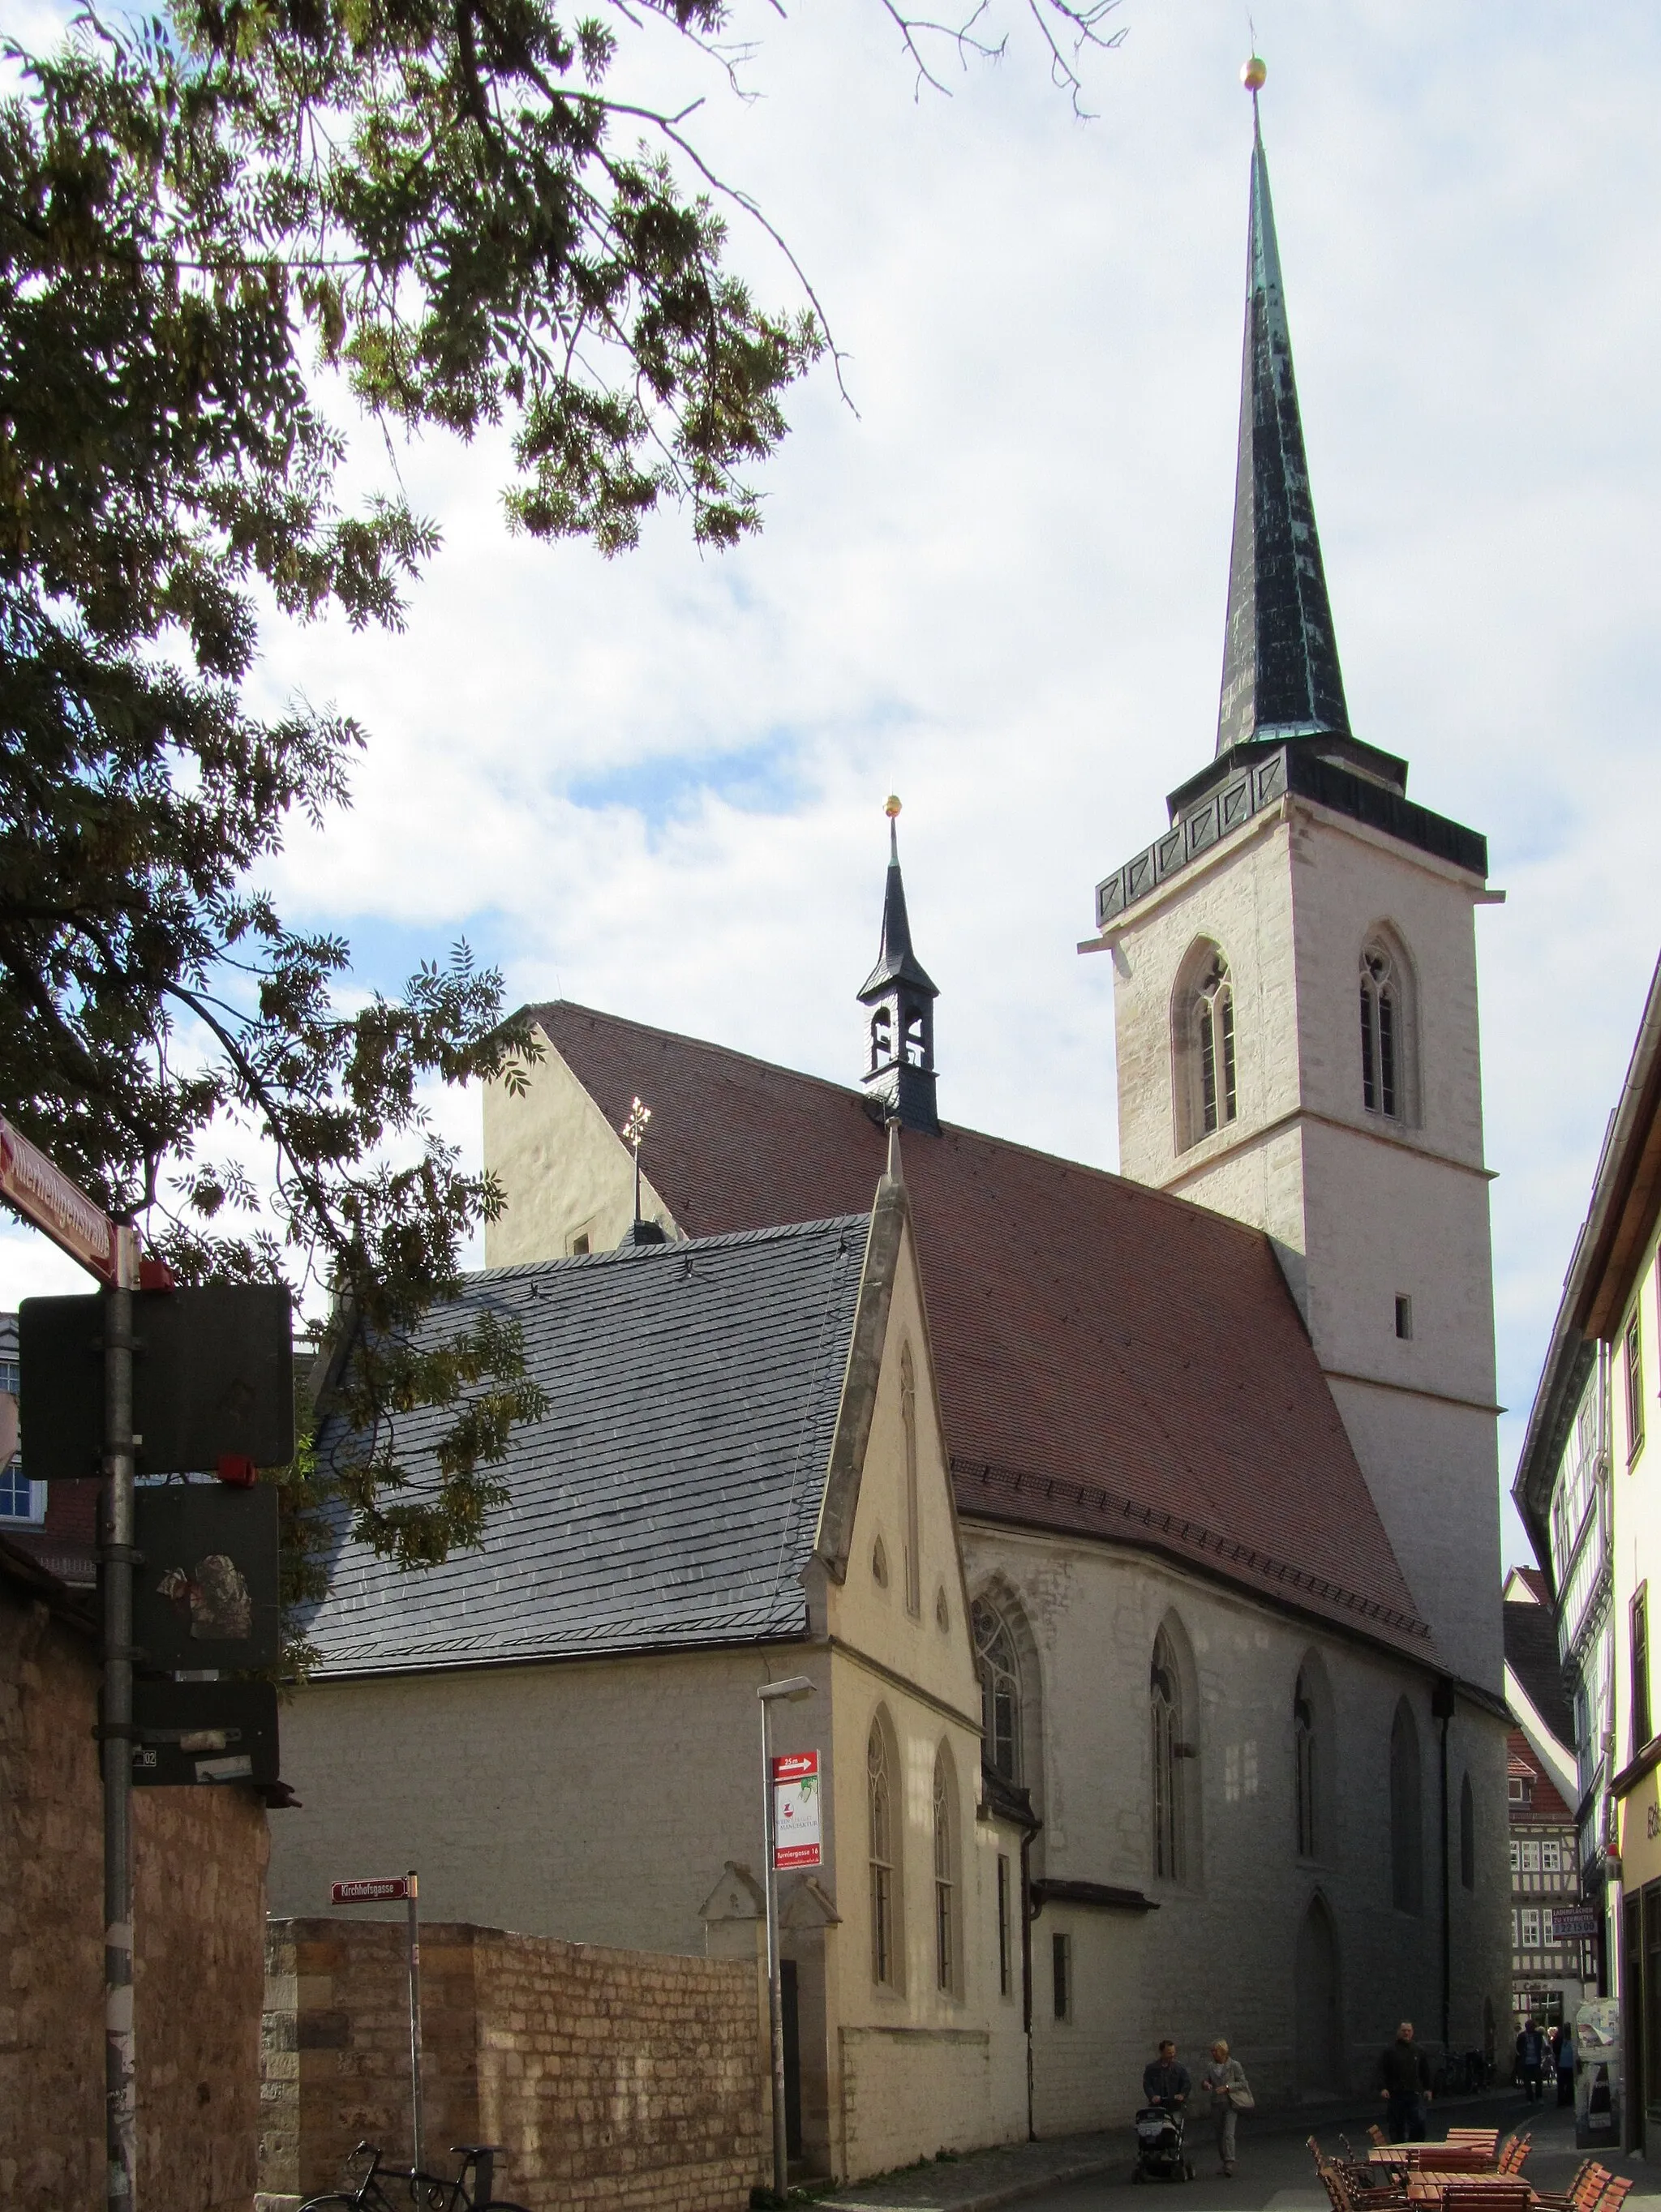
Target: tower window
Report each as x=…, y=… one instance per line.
x=1405, y=1318
x=882, y=1038
x=1388, y=1029
x=1203, y=1038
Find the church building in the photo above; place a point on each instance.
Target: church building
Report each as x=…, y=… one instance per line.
x=1215, y=1440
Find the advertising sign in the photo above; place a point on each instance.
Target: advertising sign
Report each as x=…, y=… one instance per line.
x=44, y=1195
x=796, y=1809
x=384, y=1889
x=1570, y=1920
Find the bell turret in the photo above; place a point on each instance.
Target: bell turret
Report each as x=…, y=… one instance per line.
x=900, y=1000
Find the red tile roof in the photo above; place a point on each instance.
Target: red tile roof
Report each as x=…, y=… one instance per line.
x=1113, y=1363
x=1545, y=1799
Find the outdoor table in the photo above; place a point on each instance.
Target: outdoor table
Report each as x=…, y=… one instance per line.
x=1437, y=2157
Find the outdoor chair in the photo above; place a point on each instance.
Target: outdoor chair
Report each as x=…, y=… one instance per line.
x=1582, y=2193
x=1614, y=2194
x=1513, y=2155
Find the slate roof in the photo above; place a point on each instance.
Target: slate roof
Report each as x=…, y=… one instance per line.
x=1531, y=1653
x=670, y=1496
x=1113, y=1363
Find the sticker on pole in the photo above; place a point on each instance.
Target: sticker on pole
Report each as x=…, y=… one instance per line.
x=384, y=1890
x=796, y=1809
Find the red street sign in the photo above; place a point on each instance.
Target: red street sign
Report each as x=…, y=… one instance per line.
x=370, y=1893
x=790, y=1765
x=44, y=1195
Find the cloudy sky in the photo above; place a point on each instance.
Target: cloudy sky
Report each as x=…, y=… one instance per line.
x=995, y=583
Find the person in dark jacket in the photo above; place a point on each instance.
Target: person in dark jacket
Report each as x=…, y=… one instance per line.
x=1165, y=2080
x=1565, y=2055
x=1404, y=2083
x=1532, y=2060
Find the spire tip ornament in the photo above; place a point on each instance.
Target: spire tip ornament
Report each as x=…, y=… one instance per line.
x=1254, y=74
x=892, y=806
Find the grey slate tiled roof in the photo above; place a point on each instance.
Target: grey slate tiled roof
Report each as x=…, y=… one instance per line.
x=670, y=1494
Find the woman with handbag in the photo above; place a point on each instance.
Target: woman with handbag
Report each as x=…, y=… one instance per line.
x=1231, y=2095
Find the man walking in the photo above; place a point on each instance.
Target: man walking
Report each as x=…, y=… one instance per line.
x=1164, y=2081
x=1404, y=2084
x=1531, y=2059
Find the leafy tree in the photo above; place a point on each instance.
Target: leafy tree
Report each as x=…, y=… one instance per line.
x=432, y=201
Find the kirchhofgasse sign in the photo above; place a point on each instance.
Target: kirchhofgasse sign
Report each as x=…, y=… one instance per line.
x=796, y=1809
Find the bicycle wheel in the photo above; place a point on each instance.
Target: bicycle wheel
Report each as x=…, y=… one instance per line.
x=336, y=2201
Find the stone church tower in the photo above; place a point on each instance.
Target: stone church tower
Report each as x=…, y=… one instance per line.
x=1295, y=1007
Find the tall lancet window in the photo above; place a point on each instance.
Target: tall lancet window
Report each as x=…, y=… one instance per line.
x=1000, y=1692
x=1165, y=1702
x=1381, y=1033
x=1304, y=1743
x=878, y=1769
x=1207, y=1089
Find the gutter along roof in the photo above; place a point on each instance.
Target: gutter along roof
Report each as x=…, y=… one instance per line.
x=1113, y=1364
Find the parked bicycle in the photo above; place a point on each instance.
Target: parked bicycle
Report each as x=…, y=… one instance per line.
x=427, y=2192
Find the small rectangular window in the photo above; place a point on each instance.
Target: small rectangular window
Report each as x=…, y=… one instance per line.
x=1513, y=1928
x=1060, y=1955
x=580, y=1245
x=1633, y=1364
x=1641, y=1730
x=1530, y=1916
x=1550, y=1858
x=1003, y=1925
x=1516, y=1856
x=1403, y=1317
x=1530, y=1857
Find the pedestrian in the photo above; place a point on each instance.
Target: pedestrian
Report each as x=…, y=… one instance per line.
x=1404, y=2079
x=1165, y=2080
x=1566, y=2064
x=1531, y=2059
x=1231, y=2095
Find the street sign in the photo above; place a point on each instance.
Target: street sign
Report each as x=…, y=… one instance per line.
x=383, y=1889
x=206, y=1593
x=204, y=1732
x=796, y=1809
x=213, y=1379
x=44, y=1195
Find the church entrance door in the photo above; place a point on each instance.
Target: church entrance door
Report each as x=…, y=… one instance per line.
x=1320, y=2032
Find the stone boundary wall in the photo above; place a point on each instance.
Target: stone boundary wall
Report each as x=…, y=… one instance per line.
x=625, y=2080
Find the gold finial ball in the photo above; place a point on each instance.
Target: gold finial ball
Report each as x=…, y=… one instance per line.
x=892, y=807
x=1254, y=74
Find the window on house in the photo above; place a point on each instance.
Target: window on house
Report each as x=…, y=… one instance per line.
x=1546, y=1936
x=1551, y=1856
x=1641, y=1730
x=1530, y=1855
x=1382, y=1087
x=1516, y=1856
x=1061, y=1967
x=1530, y=1917
x=1213, y=1018
x=880, y=1801
x=1634, y=1364
x=1005, y=1916
x=1515, y=1930
x=1514, y=1790
x=1406, y=1816
x=580, y=1244
x=17, y=1493
x=1467, y=1835
x=1000, y=1690
x=1405, y=1318
x=913, y=1543
x=1304, y=1751
x=946, y=1874
x=1164, y=1698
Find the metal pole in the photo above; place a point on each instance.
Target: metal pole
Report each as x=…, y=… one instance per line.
x=775, y=1990
x=415, y=2023
x=120, y=2097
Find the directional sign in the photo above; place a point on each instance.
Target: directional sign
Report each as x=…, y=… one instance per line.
x=384, y=1889
x=44, y=1195
x=796, y=1809
x=212, y=1378
x=205, y=1596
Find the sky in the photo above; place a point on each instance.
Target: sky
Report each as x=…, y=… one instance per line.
x=995, y=582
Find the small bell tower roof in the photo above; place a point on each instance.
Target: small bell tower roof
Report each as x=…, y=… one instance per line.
x=900, y=995
x=895, y=961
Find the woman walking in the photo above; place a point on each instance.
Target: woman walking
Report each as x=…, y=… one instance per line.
x=1231, y=2095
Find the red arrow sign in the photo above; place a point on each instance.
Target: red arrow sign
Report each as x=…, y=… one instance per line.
x=381, y=1892
x=44, y=1195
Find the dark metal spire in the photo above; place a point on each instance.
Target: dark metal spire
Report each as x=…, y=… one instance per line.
x=1280, y=673
x=901, y=998
x=895, y=962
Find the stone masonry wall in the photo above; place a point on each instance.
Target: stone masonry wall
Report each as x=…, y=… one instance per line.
x=626, y=2079
x=199, y=1909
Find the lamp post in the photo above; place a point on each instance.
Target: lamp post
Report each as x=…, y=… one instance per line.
x=792, y=1691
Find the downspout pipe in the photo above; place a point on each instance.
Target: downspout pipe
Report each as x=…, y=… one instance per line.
x=1026, y=1971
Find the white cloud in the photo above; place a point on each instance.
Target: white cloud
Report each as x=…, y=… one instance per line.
x=656, y=784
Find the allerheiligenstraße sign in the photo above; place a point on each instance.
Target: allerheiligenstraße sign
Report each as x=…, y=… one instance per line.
x=206, y=1593
x=212, y=1379
x=45, y=1196
x=374, y=1889
x=190, y=1733
x=796, y=1809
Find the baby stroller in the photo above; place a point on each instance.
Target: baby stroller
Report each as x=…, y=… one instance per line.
x=1159, y=2156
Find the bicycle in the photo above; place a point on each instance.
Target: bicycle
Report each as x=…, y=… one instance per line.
x=428, y=2192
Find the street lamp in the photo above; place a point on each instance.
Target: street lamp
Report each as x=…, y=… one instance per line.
x=793, y=1691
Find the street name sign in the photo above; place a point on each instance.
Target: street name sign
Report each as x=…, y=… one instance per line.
x=377, y=1889
x=44, y=1195
x=796, y=1809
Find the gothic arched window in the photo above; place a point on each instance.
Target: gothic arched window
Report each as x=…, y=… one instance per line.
x=1407, y=1837
x=946, y=1946
x=999, y=1667
x=882, y=1038
x=1203, y=1041
x=1381, y=1033
x=1305, y=1752
x=1165, y=1702
x=879, y=1786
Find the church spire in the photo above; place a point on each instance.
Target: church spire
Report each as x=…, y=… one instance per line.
x=901, y=998
x=1281, y=672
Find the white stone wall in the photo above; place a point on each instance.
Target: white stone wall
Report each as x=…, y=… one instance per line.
x=1218, y=1957
x=1362, y=1210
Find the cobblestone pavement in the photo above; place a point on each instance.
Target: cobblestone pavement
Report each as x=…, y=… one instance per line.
x=1091, y=2173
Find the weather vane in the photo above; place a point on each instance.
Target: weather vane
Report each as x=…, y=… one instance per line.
x=633, y=1134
